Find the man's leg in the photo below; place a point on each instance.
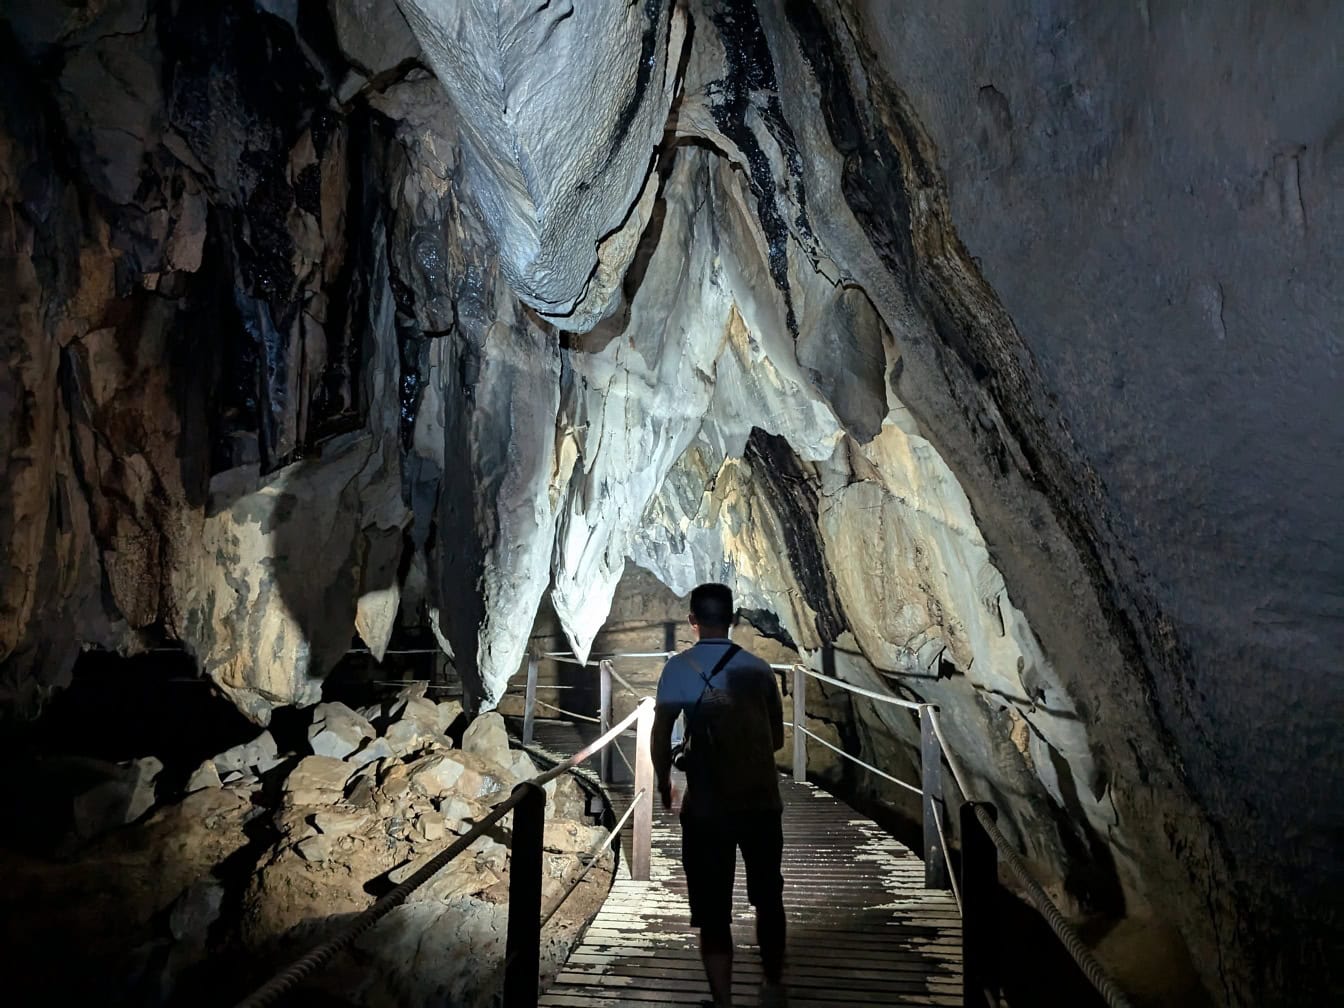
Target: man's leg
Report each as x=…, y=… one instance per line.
x=763, y=854
x=709, y=856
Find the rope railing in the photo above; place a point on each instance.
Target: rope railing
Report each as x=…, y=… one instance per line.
x=852, y=758
x=592, y=855
x=528, y=803
x=980, y=977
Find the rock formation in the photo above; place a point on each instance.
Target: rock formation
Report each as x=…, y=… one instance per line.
x=215, y=890
x=995, y=347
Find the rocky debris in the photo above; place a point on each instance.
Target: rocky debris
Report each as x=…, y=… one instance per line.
x=195, y=910
x=115, y=802
x=337, y=730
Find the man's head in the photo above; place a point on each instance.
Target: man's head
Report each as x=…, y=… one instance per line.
x=712, y=609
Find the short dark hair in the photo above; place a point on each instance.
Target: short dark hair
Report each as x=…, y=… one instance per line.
x=712, y=604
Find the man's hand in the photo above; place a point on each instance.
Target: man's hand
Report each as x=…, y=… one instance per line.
x=669, y=795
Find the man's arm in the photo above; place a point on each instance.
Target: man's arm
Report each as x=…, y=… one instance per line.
x=664, y=717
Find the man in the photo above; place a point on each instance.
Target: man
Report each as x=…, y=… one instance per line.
x=734, y=723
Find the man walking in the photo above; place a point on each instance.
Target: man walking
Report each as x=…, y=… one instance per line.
x=734, y=723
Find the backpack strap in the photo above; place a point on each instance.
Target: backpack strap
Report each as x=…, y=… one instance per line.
x=724, y=659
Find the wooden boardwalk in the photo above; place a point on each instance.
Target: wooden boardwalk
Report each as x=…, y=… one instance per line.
x=862, y=928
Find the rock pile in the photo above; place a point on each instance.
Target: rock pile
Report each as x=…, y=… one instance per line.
x=319, y=835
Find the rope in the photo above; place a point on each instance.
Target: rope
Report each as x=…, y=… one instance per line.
x=624, y=759
x=867, y=766
x=622, y=680
x=561, y=710
x=1064, y=931
x=942, y=838
x=871, y=694
x=592, y=857
x=1045, y=906
x=302, y=968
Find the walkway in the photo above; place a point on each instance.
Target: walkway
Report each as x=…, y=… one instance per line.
x=862, y=928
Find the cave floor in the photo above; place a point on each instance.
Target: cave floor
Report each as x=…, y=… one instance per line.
x=863, y=930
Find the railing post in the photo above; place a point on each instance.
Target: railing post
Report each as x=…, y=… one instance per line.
x=530, y=701
x=979, y=910
x=799, y=722
x=931, y=783
x=669, y=636
x=604, y=718
x=522, y=957
x=643, y=817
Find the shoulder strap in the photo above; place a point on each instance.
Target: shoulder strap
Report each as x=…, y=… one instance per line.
x=724, y=659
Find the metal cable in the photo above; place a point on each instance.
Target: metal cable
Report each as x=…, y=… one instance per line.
x=302, y=968
x=1063, y=930
x=624, y=758
x=561, y=710
x=867, y=766
x=942, y=838
x=285, y=981
x=1045, y=906
x=592, y=855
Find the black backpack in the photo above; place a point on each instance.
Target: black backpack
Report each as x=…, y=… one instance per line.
x=685, y=754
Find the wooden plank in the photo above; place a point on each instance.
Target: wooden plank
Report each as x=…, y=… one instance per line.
x=863, y=930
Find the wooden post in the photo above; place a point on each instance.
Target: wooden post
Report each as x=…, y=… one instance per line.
x=931, y=782
x=522, y=970
x=643, y=817
x=604, y=718
x=530, y=701
x=799, y=720
x=979, y=911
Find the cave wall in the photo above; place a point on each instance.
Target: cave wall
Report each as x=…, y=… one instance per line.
x=965, y=341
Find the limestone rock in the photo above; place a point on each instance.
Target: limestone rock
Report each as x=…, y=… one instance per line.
x=338, y=822
x=195, y=910
x=337, y=730
x=488, y=738
x=118, y=801
x=317, y=780
x=259, y=754
x=372, y=751
x=204, y=776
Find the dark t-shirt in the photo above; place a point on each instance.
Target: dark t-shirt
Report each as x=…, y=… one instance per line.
x=739, y=717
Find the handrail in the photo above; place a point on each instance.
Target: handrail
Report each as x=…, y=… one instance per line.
x=933, y=745
x=528, y=797
x=1045, y=906
x=851, y=757
x=871, y=694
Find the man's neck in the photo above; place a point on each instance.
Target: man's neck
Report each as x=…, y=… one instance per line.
x=713, y=637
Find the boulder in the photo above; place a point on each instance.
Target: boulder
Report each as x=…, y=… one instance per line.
x=337, y=730
x=260, y=754
x=373, y=750
x=487, y=737
x=341, y=821
x=317, y=780
x=449, y=711
x=316, y=848
x=437, y=775
x=195, y=910
x=204, y=776
x=118, y=801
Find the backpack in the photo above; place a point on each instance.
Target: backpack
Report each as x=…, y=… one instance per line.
x=691, y=752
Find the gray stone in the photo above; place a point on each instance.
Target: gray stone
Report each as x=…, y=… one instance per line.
x=337, y=730
x=260, y=751
x=487, y=737
x=195, y=910
x=449, y=712
x=316, y=848
x=339, y=822
x=317, y=780
x=204, y=776
x=437, y=775
x=372, y=751
x=118, y=801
